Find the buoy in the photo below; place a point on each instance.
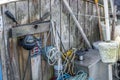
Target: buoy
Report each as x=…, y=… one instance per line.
x=109, y=51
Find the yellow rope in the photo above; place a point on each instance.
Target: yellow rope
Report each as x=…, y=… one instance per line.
x=96, y=1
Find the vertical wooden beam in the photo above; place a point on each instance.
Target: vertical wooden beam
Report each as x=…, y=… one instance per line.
x=34, y=10
x=2, y=50
x=69, y=29
x=77, y=23
x=90, y=20
x=36, y=65
x=13, y=70
x=86, y=20
x=55, y=13
x=73, y=25
x=81, y=21
x=46, y=69
x=22, y=16
x=93, y=23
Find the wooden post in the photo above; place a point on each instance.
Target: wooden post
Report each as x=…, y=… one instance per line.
x=2, y=51
x=98, y=13
x=77, y=23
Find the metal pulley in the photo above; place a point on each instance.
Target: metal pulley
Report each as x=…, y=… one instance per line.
x=28, y=42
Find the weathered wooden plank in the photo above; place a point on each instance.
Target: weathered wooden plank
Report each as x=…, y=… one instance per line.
x=65, y=27
x=22, y=12
x=22, y=16
x=94, y=25
x=90, y=20
x=45, y=7
x=2, y=50
x=73, y=24
x=69, y=29
x=46, y=69
x=13, y=70
x=11, y=48
x=81, y=21
x=15, y=62
x=55, y=13
x=86, y=21
x=34, y=8
x=30, y=29
x=36, y=65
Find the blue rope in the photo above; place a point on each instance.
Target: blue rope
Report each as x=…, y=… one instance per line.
x=90, y=79
x=63, y=77
x=80, y=76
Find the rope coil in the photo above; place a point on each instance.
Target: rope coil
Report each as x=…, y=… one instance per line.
x=53, y=55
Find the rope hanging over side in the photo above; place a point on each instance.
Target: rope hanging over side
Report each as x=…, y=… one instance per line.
x=81, y=75
x=53, y=55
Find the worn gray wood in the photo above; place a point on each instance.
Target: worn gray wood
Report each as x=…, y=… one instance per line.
x=77, y=23
x=46, y=68
x=81, y=21
x=13, y=65
x=55, y=13
x=22, y=16
x=73, y=39
x=2, y=51
x=86, y=21
x=30, y=29
x=22, y=12
x=34, y=14
x=90, y=21
x=31, y=10
x=34, y=10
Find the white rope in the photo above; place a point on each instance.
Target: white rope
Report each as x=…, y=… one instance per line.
x=53, y=55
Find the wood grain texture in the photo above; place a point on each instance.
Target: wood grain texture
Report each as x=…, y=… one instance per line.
x=22, y=12
x=65, y=27
x=13, y=65
x=81, y=21
x=34, y=10
x=34, y=14
x=31, y=10
x=46, y=68
x=72, y=23
x=56, y=15
x=90, y=22
x=22, y=16
x=30, y=29
x=86, y=21
x=2, y=51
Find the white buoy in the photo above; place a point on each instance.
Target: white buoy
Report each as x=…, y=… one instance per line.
x=109, y=51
